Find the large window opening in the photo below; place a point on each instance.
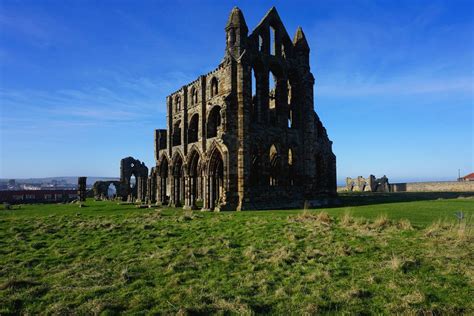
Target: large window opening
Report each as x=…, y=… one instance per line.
x=272, y=41
x=193, y=129
x=177, y=133
x=178, y=103
x=194, y=96
x=253, y=80
x=213, y=121
x=290, y=119
x=272, y=83
x=214, y=87
x=111, y=191
x=291, y=168
x=274, y=166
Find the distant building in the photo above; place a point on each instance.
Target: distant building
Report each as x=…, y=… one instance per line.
x=37, y=196
x=469, y=177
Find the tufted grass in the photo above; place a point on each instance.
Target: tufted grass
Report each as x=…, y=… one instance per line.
x=374, y=254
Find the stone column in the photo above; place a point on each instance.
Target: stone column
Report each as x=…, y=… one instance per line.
x=212, y=193
x=187, y=193
x=81, y=188
x=205, y=193
x=181, y=189
x=172, y=190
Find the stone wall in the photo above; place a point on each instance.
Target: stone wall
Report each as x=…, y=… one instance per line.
x=435, y=186
x=440, y=186
x=370, y=184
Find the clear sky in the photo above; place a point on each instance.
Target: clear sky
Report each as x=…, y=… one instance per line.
x=83, y=83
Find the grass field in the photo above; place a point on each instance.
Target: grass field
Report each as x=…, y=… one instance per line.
x=375, y=254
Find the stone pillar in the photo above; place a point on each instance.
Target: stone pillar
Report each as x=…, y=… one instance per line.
x=205, y=193
x=212, y=193
x=187, y=192
x=159, y=196
x=164, y=190
x=81, y=188
x=181, y=189
x=172, y=190
x=176, y=191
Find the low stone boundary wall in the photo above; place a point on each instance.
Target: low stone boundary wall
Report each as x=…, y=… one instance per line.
x=440, y=186
x=435, y=186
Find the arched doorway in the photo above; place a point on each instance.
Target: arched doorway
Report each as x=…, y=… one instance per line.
x=111, y=191
x=178, y=179
x=133, y=186
x=216, y=179
x=163, y=175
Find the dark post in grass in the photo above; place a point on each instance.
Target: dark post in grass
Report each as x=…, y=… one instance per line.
x=81, y=189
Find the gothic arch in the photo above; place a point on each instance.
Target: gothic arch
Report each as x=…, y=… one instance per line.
x=214, y=87
x=163, y=176
x=177, y=131
x=274, y=159
x=177, y=173
x=178, y=104
x=214, y=121
x=194, y=96
x=193, y=128
x=195, y=179
x=217, y=174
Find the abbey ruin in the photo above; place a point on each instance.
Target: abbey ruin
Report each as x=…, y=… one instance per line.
x=245, y=135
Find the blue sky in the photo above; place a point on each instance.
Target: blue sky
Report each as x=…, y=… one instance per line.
x=83, y=83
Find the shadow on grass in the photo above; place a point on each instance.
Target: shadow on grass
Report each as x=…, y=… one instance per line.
x=370, y=198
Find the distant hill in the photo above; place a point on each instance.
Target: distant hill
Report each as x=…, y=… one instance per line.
x=69, y=180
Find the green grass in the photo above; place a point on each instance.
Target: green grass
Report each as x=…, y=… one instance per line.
x=376, y=253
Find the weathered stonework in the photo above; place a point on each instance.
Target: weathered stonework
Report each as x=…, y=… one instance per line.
x=370, y=184
x=128, y=167
x=81, y=188
x=245, y=135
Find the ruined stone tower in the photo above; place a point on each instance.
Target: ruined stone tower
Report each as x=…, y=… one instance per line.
x=245, y=135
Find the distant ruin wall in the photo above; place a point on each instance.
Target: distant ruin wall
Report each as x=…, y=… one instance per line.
x=436, y=186
x=441, y=186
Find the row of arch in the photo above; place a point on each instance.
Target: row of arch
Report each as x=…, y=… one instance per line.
x=194, y=98
x=213, y=123
x=193, y=181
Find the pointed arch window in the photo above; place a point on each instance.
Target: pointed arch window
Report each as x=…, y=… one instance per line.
x=260, y=43
x=272, y=41
x=194, y=96
x=178, y=103
x=214, y=87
